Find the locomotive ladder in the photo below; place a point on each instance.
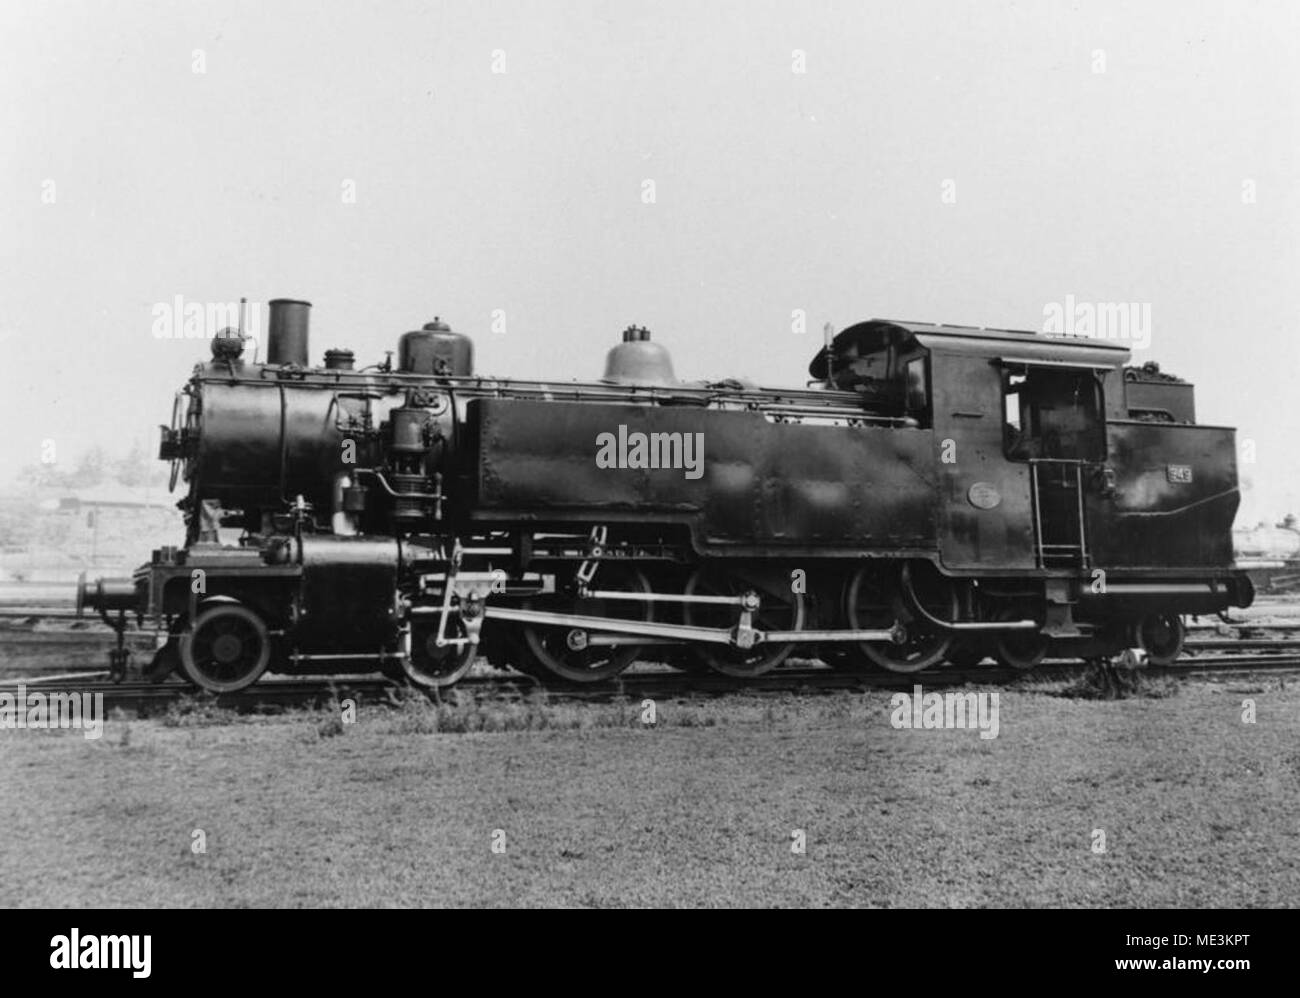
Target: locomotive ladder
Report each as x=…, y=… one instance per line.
x=1060, y=526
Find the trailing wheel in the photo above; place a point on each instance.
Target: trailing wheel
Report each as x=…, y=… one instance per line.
x=227, y=649
x=1160, y=635
x=781, y=611
x=1020, y=650
x=569, y=652
x=875, y=601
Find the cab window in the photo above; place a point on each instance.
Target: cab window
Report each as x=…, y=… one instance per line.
x=1053, y=414
x=916, y=389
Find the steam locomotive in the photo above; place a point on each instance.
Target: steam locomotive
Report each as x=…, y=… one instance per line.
x=933, y=493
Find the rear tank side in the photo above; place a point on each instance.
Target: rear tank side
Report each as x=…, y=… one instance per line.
x=1175, y=497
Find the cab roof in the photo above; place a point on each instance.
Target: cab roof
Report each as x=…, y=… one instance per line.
x=1006, y=344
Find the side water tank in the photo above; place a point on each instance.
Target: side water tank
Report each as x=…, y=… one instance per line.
x=436, y=350
x=637, y=361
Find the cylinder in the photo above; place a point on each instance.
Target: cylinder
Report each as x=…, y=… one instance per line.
x=287, y=333
x=339, y=360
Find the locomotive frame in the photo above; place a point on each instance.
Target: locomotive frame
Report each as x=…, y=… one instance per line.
x=936, y=493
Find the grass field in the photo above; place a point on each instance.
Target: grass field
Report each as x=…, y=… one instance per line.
x=1197, y=807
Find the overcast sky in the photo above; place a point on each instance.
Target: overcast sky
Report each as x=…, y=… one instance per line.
x=953, y=162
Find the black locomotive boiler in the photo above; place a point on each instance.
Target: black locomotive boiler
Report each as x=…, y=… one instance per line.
x=936, y=493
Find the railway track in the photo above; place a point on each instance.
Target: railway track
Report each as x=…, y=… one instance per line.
x=41, y=612
x=89, y=626
x=1207, y=652
x=279, y=693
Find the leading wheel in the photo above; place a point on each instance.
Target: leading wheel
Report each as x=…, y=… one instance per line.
x=226, y=650
x=433, y=667
x=875, y=601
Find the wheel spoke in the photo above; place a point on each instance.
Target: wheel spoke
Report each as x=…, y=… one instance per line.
x=875, y=600
x=549, y=645
x=773, y=614
x=432, y=667
x=212, y=662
